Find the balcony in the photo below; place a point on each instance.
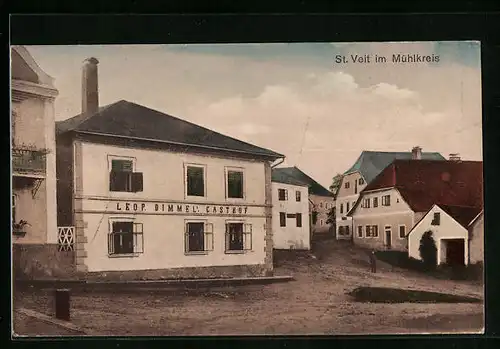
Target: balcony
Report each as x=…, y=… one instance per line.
x=28, y=161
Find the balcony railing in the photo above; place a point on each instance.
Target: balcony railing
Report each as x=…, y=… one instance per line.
x=66, y=238
x=26, y=160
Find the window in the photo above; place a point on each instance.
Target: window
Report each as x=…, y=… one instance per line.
x=326, y=205
x=341, y=230
x=126, y=237
x=298, y=218
x=341, y=208
x=238, y=237
x=347, y=230
x=122, y=178
x=282, y=219
x=361, y=181
x=386, y=200
x=320, y=222
x=297, y=196
x=282, y=194
x=437, y=218
x=402, y=231
x=321, y=204
x=372, y=231
x=195, y=181
x=366, y=203
x=199, y=237
x=360, y=231
x=346, y=185
x=347, y=207
x=375, y=202
x=235, y=184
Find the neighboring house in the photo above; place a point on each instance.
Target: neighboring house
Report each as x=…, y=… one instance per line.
x=33, y=152
x=154, y=196
x=450, y=227
x=291, y=223
x=476, y=239
x=321, y=199
x=404, y=191
x=368, y=166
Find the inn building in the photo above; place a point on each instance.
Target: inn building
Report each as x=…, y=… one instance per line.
x=154, y=196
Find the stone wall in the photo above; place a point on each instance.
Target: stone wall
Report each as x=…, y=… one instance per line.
x=42, y=261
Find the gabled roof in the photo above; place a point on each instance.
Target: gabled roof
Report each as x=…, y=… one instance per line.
x=293, y=173
x=423, y=183
x=281, y=177
x=462, y=214
x=131, y=120
x=24, y=67
x=371, y=163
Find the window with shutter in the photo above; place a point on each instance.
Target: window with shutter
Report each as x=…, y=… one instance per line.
x=137, y=182
x=195, y=237
x=297, y=196
x=282, y=194
x=375, y=231
x=247, y=237
x=121, y=176
x=282, y=219
x=360, y=231
x=375, y=202
x=298, y=218
x=209, y=237
x=234, y=237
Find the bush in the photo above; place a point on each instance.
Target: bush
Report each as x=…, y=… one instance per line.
x=428, y=250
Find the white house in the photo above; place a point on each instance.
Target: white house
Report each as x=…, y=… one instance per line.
x=321, y=200
x=33, y=151
x=154, y=196
x=450, y=226
x=366, y=168
x=405, y=191
x=291, y=223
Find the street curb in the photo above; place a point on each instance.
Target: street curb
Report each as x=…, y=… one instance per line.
x=160, y=284
x=45, y=318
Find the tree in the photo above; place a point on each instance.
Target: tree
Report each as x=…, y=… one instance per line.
x=336, y=181
x=428, y=250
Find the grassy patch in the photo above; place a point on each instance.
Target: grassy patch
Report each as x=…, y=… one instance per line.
x=397, y=295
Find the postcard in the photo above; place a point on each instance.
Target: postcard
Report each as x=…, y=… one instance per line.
x=247, y=189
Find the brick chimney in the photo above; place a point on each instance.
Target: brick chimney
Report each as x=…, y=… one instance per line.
x=90, y=88
x=454, y=157
x=416, y=153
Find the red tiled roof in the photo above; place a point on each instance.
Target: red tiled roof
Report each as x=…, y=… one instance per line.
x=462, y=214
x=423, y=183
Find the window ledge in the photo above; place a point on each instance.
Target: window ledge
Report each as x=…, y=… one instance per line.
x=124, y=255
x=196, y=253
x=237, y=252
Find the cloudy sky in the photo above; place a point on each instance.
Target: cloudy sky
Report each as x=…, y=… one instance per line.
x=293, y=98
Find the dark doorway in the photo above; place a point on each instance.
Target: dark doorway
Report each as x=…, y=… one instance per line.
x=388, y=237
x=455, y=252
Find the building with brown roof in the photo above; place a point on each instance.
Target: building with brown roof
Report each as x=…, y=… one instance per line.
x=404, y=192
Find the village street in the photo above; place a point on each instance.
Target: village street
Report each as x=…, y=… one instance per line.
x=315, y=303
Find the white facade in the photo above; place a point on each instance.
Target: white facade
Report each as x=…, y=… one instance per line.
x=291, y=223
x=33, y=150
x=350, y=187
x=447, y=230
x=387, y=214
x=163, y=209
x=476, y=235
x=322, y=205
